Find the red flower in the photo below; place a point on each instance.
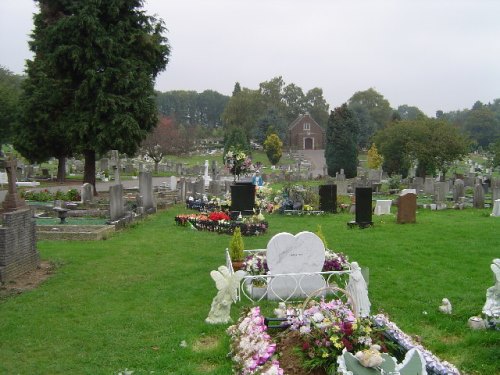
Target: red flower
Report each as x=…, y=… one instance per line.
x=347, y=344
x=305, y=346
x=347, y=328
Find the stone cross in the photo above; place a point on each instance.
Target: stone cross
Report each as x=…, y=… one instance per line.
x=12, y=201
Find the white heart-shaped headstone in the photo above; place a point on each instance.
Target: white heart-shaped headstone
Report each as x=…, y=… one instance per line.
x=304, y=252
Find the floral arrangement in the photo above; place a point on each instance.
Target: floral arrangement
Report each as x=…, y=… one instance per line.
x=433, y=363
x=335, y=261
x=221, y=223
x=251, y=346
x=237, y=162
x=326, y=328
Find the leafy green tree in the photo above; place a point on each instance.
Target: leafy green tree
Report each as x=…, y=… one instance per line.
x=272, y=122
x=482, y=125
x=434, y=144
x=407, y=112
x=341, y=142
x=101, y=57
x=378, y=113
x=10, y=90
x=236, y=139
x=243, y=110
x=317, y=106
x=273, y=148
x=495, y=149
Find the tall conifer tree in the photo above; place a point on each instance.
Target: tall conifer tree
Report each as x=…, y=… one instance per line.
x=91, y=81
x=341, y=150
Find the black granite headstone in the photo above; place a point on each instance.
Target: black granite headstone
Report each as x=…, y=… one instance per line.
x=364, y=205
x=242, y=197
x=328, y=198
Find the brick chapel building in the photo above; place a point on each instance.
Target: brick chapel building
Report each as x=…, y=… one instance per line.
x=305, y=134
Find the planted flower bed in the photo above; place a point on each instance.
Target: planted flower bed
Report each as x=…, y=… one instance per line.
x=221, y=223
x=320, y=339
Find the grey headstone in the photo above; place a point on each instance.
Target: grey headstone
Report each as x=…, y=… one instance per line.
x=478, y=201
x=87, y=193
x=146, y=190
x=173, y=183
x=458, y=189
x=116, y=205
x=429, y=185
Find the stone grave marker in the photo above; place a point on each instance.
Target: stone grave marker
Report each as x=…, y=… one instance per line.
x=429, y=185
x=12, y=201
x=478, y=200
x=328, y=198
x=87, y=193
x=242, y=196
x=342, y=187
x=173, y=183
x=407, y=208
x=302, y=253
x=440, y=190
x=418, y=184
x=116, y=205
x=495, y=190
x=146, y=191
x=458, y=190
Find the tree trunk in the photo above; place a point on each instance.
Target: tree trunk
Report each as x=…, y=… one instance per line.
x=61, y=169
x=156, y=166
x=89, y=169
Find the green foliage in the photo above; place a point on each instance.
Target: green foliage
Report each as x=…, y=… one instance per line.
x=236, y=246
x=10, y=90
x=341, y=150
x=90, y=85
x=47, y=196
x=495, y=149
x=236, y=139
x=375, y=160
x=373, y=112
x=192, y=108
x=434, y=144
x=273, y=148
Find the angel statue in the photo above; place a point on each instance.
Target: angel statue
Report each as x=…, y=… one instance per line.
x=492, y=306
x=358, y=290
x=227, y=285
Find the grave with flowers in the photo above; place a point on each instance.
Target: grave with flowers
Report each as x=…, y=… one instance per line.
x=220, y=222
x=328, y=332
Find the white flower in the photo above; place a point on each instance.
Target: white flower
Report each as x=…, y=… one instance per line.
x=318, y=317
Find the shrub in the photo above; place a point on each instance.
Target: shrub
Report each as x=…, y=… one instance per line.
x=236, y=246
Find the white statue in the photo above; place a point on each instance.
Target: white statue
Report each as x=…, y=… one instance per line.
x=492, y=306
x=227, y=284
x=358, y=290
x=445, y=307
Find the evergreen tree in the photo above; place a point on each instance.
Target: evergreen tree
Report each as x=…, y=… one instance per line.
x=96, y=61
x=273, y=148
x=341, y=150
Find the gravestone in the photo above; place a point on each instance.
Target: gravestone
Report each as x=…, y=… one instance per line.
x=146, y=191
x=173, y=183
x=478, y=200
x=340, y=176
x=12, y=201
x=495, y=189
x=429, y=185
x=440, y=190
x=286, y=254
x=182, y=189
x=87, y=193
x=342, y=187
x=458, y=190
x=199, y=188
x=206, y=176
x=116, y=205
x=418, y=184
x=242, y=196
x=104, y=164
x=328, y=198
x=214, y=188
x=407, y=208
x=364, y=206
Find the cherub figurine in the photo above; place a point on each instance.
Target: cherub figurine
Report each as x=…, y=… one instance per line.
x=227, y=284
x=492, y=306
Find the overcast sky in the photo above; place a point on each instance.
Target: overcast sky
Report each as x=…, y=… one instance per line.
x=433, y=54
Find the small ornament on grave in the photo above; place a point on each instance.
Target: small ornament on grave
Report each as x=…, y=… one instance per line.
x=445, y=307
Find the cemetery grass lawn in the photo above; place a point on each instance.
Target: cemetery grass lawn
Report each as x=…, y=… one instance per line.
x=132, y=300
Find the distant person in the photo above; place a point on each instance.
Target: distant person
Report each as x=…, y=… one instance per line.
x=257, y=179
